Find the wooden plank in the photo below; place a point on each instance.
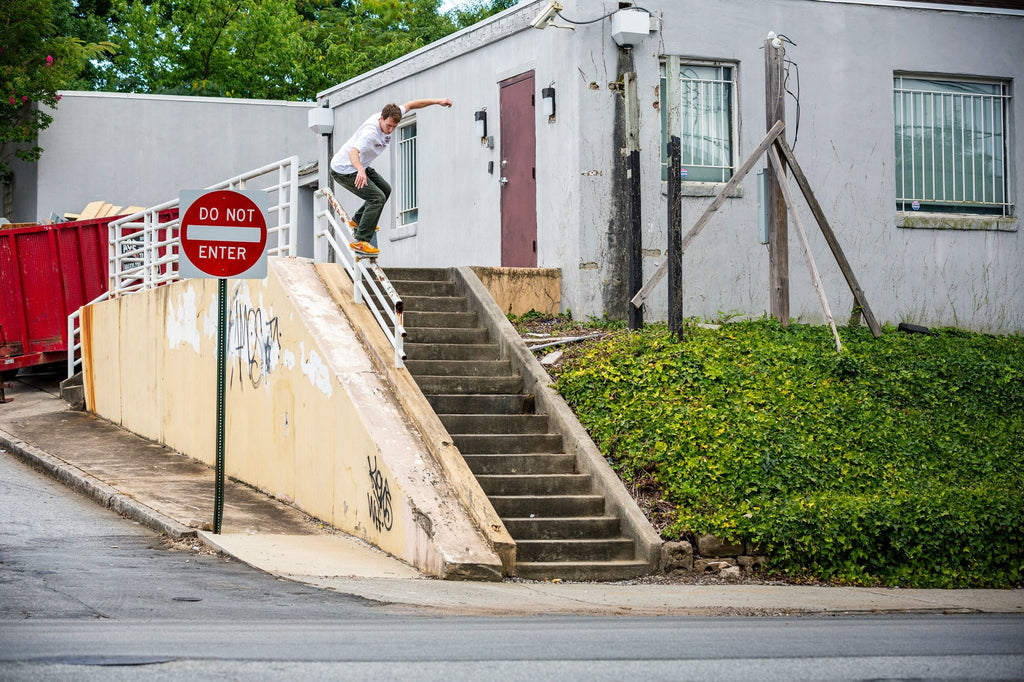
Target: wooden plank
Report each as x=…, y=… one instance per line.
x=91, y=210
x=109, y=210
x=737, y=177
x=830, y=236
x=819, y=288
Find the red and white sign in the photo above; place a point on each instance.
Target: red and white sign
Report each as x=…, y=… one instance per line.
x=223, y=234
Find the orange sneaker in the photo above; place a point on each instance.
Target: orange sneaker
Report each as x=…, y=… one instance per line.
x=364, y=249
x=353, y=224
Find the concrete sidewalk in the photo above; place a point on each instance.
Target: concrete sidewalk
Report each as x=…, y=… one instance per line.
x=174, y=494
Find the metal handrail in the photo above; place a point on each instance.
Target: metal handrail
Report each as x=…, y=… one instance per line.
x=143, y=248
x=369, y=283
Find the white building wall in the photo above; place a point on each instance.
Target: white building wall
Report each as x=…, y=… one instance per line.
x=846, y=53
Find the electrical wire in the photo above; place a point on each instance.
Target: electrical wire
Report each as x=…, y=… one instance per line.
x=795, y=96
x=594, y=21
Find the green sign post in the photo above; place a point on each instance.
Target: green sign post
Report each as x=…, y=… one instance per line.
x=223, y=233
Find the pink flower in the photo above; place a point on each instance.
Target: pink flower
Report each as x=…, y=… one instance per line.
x=58, y=97
x=24, y=98
x=12, y=100
x=49, y=60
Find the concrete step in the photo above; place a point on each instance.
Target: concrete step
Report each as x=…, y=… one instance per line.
x=448, y=304
x=581, y=570
x=460, y=335
x=410, y=289
x=511, y=403
x=537, y=506
x=512, y=444
x=417, y=275
x=533, y=463
x=574, y=550
x=452, y=351
x=534, y=484
x=431, y=385
x=460, y=320
x=547, y=528
x=494, y=423
x=463, y=368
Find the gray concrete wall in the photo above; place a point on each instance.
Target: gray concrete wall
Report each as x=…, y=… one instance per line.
x=846, y=54
x=130, y=149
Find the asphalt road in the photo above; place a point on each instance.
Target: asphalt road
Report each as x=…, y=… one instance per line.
x=88, y=595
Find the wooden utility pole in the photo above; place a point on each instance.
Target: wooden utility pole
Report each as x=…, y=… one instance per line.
x=674, y=256
x=778, y=232
x=634, y=236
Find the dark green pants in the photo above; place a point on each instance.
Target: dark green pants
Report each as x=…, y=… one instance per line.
x=374, y=195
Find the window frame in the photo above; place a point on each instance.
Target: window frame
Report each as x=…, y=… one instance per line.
x=946, y=202
x=700, y=183
x=404, y=179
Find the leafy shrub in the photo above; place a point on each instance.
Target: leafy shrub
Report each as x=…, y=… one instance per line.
x=898, y=461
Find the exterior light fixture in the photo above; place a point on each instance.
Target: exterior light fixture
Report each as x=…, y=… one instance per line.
x=481, y=124
x=548, y=98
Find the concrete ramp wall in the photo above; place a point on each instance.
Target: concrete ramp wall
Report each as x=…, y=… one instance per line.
x=308, y=419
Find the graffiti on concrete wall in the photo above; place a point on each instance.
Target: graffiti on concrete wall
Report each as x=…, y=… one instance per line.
x=379, y=497
x=254, y=341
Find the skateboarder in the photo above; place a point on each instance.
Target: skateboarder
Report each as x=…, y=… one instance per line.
x=350, y=167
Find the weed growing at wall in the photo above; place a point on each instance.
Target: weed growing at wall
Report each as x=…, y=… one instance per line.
x=899, y=461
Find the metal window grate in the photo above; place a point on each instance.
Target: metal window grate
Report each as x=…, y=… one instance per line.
x=707, y=102
x=408, y=202
x=951, y=145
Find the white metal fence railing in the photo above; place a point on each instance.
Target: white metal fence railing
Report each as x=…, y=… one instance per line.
x=369, y=283
x=143, y=247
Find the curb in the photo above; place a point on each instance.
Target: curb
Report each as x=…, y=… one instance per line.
x=92, y=487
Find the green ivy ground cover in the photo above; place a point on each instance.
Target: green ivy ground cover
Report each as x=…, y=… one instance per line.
x=899, y=461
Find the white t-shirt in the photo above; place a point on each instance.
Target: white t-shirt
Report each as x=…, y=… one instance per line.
x=369, y=139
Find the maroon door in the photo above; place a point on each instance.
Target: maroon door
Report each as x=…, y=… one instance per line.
x=518, y=173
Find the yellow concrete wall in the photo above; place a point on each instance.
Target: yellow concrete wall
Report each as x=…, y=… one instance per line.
x=307, y=418
x=520, y=290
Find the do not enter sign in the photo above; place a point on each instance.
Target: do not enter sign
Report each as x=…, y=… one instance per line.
x=223, y=234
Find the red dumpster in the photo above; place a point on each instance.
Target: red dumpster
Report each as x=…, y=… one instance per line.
x=46, y=273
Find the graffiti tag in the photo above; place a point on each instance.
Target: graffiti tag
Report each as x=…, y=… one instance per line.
x=255, y=338
x=379, y=498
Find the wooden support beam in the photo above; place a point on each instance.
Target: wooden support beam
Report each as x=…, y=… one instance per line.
x=778, y=224
x=819, y=288
x=735, y=180
x=830, y=236
x=673, y=250
x=634, y=236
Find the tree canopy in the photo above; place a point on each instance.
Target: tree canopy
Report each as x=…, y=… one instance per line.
x=36, y=60
x=265, y=49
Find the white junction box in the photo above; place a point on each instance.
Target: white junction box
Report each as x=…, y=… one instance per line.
x=629, y=26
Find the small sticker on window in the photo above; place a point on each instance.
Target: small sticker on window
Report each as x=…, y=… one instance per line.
x=682, y=173
x=916, y=205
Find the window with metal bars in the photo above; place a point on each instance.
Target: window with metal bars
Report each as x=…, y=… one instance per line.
x=951, y=145
x=408, y=202
x=707, y=122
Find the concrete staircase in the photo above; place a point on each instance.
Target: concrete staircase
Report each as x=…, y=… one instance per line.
x=554, y=510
